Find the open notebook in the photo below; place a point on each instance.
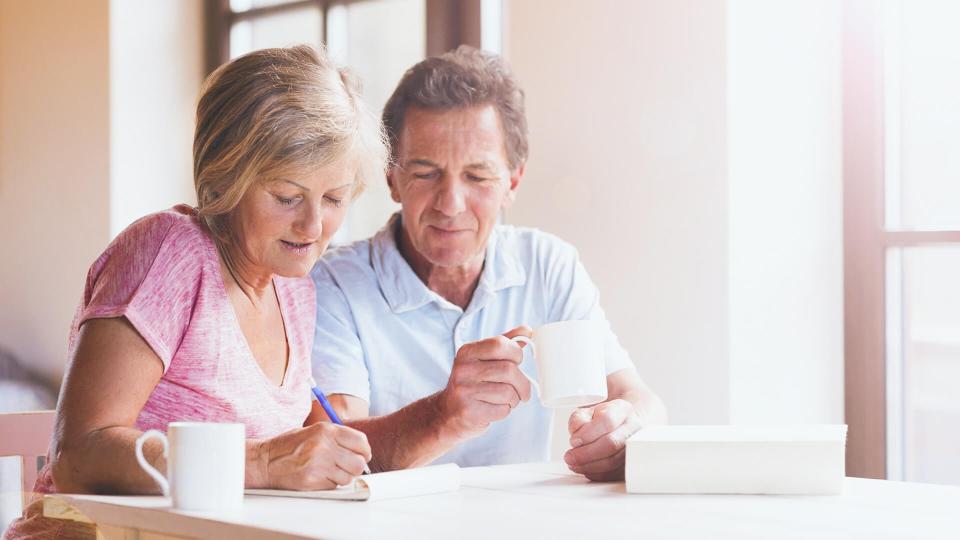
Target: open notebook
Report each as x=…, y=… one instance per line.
x=388, y=485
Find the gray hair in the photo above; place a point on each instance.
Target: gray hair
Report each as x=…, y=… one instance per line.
x=465, y=77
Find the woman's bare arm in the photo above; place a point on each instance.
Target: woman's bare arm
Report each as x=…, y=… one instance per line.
x=107, y=383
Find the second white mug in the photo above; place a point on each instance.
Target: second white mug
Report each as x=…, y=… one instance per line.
x=570, y=363
x=205, y=464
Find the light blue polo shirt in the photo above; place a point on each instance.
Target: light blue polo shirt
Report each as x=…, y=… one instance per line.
x=386, y=338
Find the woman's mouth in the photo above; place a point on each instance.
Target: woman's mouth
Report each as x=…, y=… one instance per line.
x=297, y=248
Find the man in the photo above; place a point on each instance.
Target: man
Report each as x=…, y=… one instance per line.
x=413, y=324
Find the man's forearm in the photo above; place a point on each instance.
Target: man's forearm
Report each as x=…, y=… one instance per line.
x=648, y=406
x=412, y=436
x=628, y=386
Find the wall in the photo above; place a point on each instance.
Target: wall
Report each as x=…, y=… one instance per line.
x=96, y=125
x=627, y=125
x=54, y=169
x=691, y=151
x=785, y=211
x=156, y=69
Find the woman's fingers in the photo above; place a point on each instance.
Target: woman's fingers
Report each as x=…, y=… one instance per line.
x=354, y=441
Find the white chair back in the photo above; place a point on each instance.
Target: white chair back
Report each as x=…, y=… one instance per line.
x=27, y=435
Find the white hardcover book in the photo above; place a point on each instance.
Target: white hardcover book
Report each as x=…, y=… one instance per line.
x=800, y=459
x=387, y=485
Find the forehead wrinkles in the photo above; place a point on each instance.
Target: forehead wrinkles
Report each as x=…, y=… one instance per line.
x=472, y=134
x=459, y=151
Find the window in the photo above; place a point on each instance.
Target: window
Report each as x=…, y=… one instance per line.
x=902, y=238
x=259, y=24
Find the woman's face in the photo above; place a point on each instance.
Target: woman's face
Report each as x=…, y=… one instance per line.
x=284, y=225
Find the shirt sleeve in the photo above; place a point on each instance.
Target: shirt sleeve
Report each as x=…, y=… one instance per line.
x=575, y=297
x=150, y=274
x=338, y=360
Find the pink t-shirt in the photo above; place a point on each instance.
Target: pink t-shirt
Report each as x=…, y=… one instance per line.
x=163, y=274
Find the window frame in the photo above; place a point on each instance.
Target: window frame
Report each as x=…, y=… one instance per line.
x=449, y=24
x=867, y=242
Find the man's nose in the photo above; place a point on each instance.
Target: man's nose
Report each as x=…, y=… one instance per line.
x=450, y=199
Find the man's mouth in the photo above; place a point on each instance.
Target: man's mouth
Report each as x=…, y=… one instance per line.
x=444, y=230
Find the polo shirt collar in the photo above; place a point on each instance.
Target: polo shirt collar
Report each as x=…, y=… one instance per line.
x=403, y=289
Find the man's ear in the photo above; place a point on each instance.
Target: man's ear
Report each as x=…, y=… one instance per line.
x=392, y=184
x=515, y=177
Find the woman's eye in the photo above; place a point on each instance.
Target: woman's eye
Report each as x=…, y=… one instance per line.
x=334, y=201
x=286, y=201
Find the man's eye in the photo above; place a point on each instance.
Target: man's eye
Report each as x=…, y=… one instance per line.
x=475, y=178
x=432, y=175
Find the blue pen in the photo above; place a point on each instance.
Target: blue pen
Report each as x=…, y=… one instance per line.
x=327, y=408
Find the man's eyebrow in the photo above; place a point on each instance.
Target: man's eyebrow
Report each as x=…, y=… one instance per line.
x=486, y=165
x=422, y=162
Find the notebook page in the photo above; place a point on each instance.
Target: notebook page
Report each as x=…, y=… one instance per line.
x=411, y=482
x=388, y=485
x=353, y=492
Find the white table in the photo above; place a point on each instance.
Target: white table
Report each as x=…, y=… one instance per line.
x=543, y=501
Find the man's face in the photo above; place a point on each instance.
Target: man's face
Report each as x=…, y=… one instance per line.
x=452, y=180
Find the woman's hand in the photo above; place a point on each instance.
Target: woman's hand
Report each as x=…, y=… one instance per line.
x=319, y=456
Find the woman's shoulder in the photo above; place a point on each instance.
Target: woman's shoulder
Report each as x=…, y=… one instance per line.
x=179, y=224
x=167, y=244
x=151, y=274
x=177, y=232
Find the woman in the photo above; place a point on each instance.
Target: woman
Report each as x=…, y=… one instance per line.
x=206, y=314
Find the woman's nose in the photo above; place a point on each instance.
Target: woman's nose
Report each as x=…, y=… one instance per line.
x=310, y=223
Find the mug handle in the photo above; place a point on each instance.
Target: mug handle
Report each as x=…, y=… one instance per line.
x=533, y=350
x=155, y=474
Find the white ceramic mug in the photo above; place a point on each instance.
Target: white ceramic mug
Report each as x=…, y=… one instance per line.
x=205, y=464
x=570, y=363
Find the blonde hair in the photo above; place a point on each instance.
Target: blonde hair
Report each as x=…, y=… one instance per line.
x=274, y=111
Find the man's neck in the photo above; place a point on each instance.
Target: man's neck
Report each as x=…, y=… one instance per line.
x=454, y=283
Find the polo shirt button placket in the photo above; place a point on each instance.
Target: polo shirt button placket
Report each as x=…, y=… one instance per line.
x=457, y=342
